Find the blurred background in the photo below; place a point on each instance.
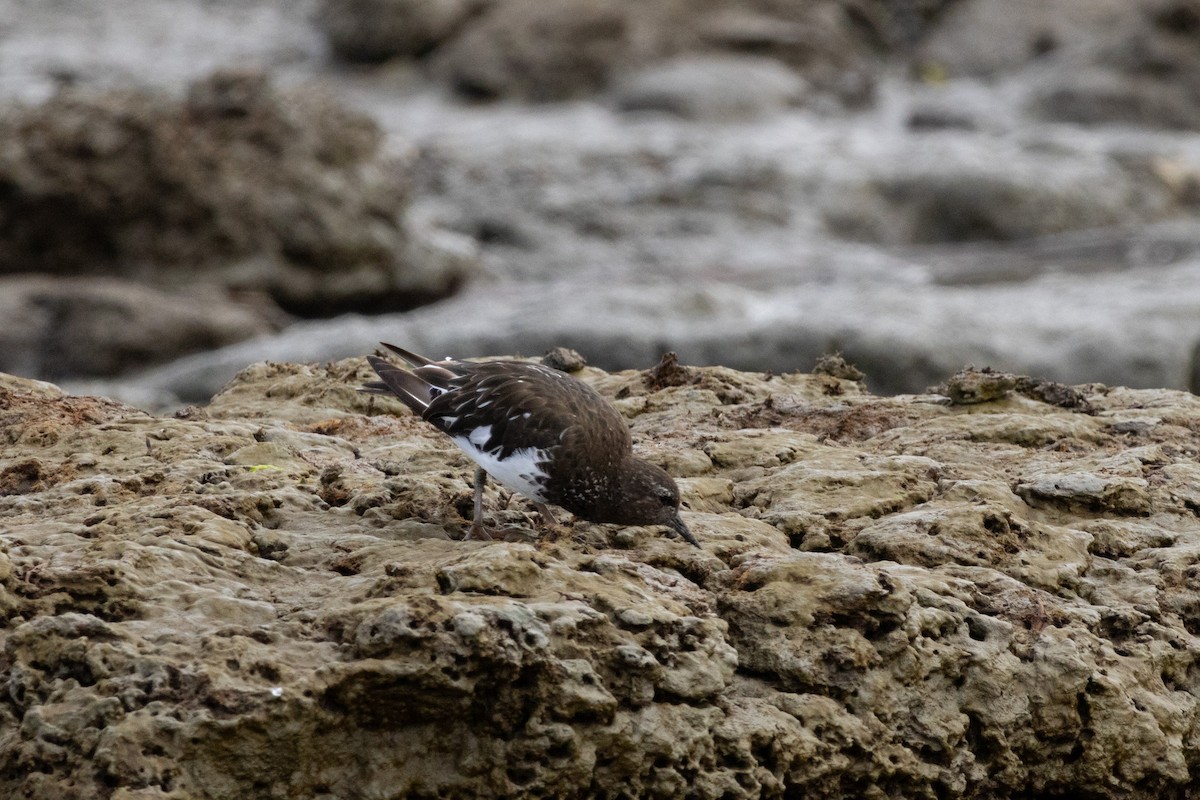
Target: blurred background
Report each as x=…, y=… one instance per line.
x=188, y=186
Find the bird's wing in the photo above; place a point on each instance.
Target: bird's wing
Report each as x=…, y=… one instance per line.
x=523, y=405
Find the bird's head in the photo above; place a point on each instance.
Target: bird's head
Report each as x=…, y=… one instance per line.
x=649, y=496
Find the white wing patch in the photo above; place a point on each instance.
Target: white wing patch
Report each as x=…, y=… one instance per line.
x=521, y=471
x=478, y=437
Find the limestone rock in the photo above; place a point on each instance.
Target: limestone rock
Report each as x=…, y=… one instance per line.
x=376, y=30
x=937, y=195
x=96, y=326
x=894, y=597
x=566, y=48
x=708, y=87
x=242, y=186
x=1090, y=62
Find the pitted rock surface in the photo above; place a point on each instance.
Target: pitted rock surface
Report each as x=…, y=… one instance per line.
x=898, y=596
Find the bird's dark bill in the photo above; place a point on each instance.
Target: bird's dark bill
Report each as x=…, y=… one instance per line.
x=678, y=526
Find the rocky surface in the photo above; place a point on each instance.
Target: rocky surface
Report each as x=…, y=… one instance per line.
x=72, y=327
x=987, y=592
x=241, y=186
x=539, y=50
x=370, y=31
x=1091, y=62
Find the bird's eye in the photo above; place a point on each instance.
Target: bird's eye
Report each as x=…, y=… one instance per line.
x=666, y=498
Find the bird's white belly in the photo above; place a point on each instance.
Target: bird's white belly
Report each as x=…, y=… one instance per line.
x=519, y=472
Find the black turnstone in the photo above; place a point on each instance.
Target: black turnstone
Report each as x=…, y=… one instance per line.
x=539, y=432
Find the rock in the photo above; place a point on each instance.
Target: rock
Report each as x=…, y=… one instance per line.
x=669, y=372
x=181, y=621
x=1103, y=97
x=1087, y=490
x=711, y=87
x=936, y=195
x=1156, y=67
x=250, y=187
x=1085, y=62
x=376, y=30
x=71, y=327
x=835, y=366
x=971, y=386
x=569, y=48
x=564, y=359
x=990, y=38
x=931, y=116
x=541, y=50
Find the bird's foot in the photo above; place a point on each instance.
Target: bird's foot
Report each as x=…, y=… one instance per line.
x=547, y=515
x=477, y=533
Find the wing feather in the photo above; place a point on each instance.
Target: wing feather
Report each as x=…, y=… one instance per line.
x=526, y=405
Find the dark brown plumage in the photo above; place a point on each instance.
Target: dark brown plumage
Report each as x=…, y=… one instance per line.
x=539, y=432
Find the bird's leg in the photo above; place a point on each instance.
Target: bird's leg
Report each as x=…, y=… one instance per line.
x=547, y=514
x=477, y=531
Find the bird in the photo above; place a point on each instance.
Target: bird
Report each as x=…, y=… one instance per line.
x=539, y=432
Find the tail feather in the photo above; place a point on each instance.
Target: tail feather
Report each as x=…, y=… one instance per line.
x=413, y=391
x=417, y=384
x=439, y=373
x=375, y=387
x=410, y=357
